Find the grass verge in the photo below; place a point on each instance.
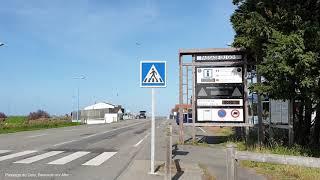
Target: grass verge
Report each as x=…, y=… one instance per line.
x=19, y=123
x=278, y=171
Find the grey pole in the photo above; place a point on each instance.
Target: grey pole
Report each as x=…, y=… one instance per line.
x=78, y=90
x=78, y=105
x=152, y=129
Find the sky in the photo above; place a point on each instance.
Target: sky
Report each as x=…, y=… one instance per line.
x=50, y=42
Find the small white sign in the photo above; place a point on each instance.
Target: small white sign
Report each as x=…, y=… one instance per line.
x=219, y=102
x=219, y=58
x=219, y=75
x=220, y=114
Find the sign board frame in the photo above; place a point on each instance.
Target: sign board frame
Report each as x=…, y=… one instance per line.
x=146, y=65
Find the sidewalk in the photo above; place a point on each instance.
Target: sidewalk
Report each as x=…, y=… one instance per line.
x=190, y=162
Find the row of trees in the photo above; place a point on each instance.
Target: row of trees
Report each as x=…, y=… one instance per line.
x=283, y=38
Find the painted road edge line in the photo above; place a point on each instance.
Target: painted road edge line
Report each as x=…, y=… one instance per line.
x=138, y=143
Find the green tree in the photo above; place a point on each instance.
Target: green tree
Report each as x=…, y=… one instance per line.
x=283, y=38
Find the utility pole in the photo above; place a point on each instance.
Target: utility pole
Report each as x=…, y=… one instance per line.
x=78, y=92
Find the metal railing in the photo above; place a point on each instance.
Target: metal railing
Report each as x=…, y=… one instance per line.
x=233, y=156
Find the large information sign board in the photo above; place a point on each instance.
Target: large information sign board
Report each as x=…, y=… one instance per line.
x=219, y=90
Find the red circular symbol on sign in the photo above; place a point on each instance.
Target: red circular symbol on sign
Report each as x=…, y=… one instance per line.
x=235, y=113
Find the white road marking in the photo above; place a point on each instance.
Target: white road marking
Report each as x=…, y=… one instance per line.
x=69, y=158
x=71, y=129
x=10, y=156
x=38, y=157
x=138, y=143
x=64, y=143
x=202, y=130
x=99, y=159
x=37, y=135
x=85, y=137
x=4, y=151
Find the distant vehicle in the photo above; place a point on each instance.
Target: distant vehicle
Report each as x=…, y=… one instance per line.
x=127, y=116
x=142, y=115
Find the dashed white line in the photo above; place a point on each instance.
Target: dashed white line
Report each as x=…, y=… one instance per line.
x=71, y=129
x=138, y=143
x=64, y=142
x=38, y=135
x=202, y=130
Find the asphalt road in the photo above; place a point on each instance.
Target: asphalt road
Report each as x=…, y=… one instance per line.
x=80, y=152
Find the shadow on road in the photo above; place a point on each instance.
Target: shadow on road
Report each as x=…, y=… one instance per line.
x=179, y=171
x=175, y=151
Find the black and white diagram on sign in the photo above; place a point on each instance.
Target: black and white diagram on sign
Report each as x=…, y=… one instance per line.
x=153, y=76
x=207, y=73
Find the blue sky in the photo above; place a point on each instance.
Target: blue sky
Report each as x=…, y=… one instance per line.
x=48, y=42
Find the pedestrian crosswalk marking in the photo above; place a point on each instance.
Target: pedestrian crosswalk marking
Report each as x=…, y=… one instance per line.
x=4, y=151
x=153, y=76
x=10, y=156
x=38, y=157
x=95, y=161
x=69, y=158
x=98, y=160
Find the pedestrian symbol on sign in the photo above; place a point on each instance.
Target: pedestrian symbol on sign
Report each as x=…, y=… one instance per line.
x=153, y=76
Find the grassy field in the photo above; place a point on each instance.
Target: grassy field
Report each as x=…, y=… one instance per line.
x=16, y=119
x=20, y=123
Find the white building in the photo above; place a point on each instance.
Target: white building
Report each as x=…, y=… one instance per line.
x=99, y=113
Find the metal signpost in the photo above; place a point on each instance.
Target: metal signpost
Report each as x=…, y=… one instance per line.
x=153, y=75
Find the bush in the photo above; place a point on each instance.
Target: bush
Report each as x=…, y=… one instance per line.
x=2, y=117
x=40, y=114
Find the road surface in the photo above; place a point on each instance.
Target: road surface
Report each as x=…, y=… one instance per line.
x=80, y=152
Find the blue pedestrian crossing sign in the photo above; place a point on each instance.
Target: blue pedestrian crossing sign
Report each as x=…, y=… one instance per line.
x=153, y=74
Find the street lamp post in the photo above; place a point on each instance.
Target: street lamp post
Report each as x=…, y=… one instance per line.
x=80, y=78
